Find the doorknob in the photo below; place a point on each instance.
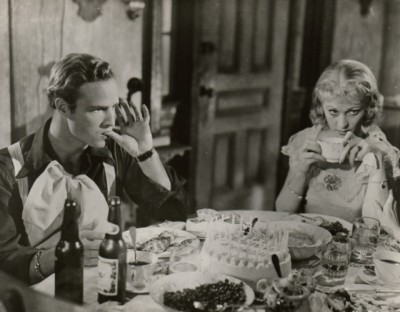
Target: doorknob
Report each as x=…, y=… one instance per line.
x=207, y=47
x=204, y=91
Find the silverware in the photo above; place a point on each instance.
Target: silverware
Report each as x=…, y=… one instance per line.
x=253, y=223
x=277, y=266
x=132, y=232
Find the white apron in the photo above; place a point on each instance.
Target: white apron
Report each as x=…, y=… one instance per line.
x=43, y=205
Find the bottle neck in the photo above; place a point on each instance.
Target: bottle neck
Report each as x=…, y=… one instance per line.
x=70, y=227
x=114, y=216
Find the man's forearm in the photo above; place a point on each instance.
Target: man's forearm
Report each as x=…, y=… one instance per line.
x=154, y=169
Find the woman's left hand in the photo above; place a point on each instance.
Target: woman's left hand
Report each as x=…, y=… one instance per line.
x=355, y=148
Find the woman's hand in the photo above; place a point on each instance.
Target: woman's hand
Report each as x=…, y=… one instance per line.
x=355, y=148
x=308, y=155
x=135, y=137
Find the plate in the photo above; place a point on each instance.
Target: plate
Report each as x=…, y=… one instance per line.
x=298, y=217
x=145, y=234
x=370, y=279
x=262, y=215
x=179, y=281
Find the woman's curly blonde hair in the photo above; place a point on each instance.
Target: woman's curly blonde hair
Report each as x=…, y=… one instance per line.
x=349, y=80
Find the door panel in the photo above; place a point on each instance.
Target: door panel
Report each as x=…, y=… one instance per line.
x=237, y=123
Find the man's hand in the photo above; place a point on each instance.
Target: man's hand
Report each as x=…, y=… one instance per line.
x=91, y=237
x=135, y=137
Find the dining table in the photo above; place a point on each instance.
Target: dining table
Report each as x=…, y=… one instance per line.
x=145, y=303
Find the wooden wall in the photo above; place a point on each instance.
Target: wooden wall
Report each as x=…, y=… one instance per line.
x=373, y=39
x=40, y=32
x=5, y=90
x=359, y=37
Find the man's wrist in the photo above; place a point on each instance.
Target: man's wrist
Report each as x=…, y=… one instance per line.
x=146, y=155
x=37, y=266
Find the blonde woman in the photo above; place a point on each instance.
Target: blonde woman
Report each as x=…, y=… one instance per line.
x=346, y=104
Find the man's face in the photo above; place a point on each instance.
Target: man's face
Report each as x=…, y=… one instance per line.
x=94, y=113
x=343, y=117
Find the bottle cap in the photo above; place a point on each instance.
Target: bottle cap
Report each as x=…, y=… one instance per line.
x=70, y=202
x=114, y=200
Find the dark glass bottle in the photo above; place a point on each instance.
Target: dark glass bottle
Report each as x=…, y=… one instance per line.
x=112, y=259
x=69, y=257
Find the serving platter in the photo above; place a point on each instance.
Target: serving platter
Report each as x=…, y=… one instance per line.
x=372, y=279
x=180, y=281
x=315, y=219
x=143, y=235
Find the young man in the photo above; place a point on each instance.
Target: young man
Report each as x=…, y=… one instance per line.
x=78, y=154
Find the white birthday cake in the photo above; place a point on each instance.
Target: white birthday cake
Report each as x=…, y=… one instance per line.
x=245, y=255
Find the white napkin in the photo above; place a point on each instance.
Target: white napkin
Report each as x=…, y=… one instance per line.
x=389, y=218
x=43, y=210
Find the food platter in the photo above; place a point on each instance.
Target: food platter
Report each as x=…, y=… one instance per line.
x=176, y=238
x=305, y=239
x=316, y=219
x=181, y=281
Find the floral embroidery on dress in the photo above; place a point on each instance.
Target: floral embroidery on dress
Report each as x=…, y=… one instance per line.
x=332, y=182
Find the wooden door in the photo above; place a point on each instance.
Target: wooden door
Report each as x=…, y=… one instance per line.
x=238, y=92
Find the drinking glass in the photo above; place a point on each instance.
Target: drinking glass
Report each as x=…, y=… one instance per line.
x=335, y=260
x=140, y=271
x=140, y=275
x=365, y=235
x=184, y=259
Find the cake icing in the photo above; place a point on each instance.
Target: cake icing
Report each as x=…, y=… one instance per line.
x=246, y=256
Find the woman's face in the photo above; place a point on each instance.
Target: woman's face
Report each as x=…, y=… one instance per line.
x=343, y=117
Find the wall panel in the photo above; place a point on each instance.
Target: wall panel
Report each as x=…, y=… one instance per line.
x=359, y=37
x=5, y=88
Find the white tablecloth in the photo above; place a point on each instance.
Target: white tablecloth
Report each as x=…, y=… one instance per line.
x=145, y=303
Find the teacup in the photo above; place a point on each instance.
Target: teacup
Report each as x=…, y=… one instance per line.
x=387, y=266
x=332, y=149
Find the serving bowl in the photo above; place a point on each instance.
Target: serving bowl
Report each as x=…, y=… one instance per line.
x=187, y=281
x=387, y=266
x=284, y=294
x=314, y=236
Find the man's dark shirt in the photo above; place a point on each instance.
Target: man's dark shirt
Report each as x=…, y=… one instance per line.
x=160, y=204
